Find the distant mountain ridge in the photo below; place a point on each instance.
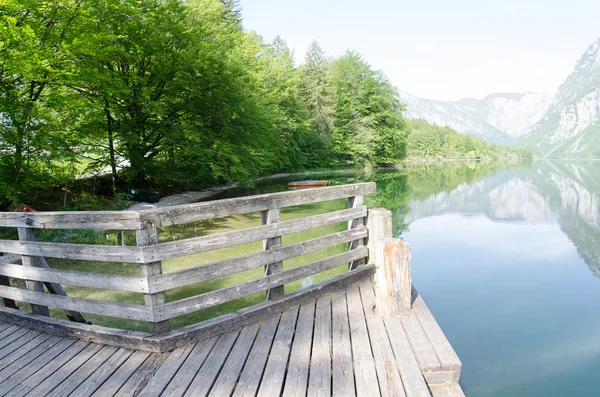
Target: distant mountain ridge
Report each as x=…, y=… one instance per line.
x=561, y=124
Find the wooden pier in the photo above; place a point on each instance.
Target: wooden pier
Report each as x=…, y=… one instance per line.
x=365, y=332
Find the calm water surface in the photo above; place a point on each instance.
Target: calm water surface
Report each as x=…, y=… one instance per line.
x=508, y=259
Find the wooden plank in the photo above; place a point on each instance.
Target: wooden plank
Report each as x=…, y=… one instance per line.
x=448, y=358
x=194, y=212
x=252, y=373
x=185, y=375
x=61, y=375
x=420, y=343
x=379, y=223
x=110, y=336
x=354, y=202
x=80, y=351
x=22, y=350
x=4, y=325
x=106, y=371
x=227, y=267
x=412, y=378
x=390, y=383
x=149, y=237
x=25, y=235
x=5, y=280
x=10, y=339
x=197, y=245
x=447, y=391
x=274, y=374
x=254, y=313
x=167, y=370
x=141, y=377
x=296, y=381
x=319, y=380
x=82, y=279
x=122, y=374
x=11, y=259
x=269, y=217
x=205, y=378
x=15, y=344
x=97, y=220
x=34, y=360
x=74, y=373
x=225, y=383
x=86, y=252
x=392, y=277
x=213, y=298
x=112, y=309
x=9, y=330
x=342, y=368
x=365, y=376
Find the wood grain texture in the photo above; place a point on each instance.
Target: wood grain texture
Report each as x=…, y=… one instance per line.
x=28, y=235
x=274, y=374
x=213, y=298
x=112, y=385
x=296, y=381
x=342, y=368
x=97, y=220
x=197, y=245
x=187, y=213
x=227, y=267
x=392, y=277
x=319, y=379
x=269, y=217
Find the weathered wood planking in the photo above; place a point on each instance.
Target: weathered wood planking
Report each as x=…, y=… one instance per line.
x=364, y=368
x=9, y=259
x=185, y=375
x=97, y=220
x=112, y=309
x=26, y=235
x=82, y=279
x=144, y=238
x=86, y=252
x=274, y=375
x=342, y=369
x=390, y=383
x=447, y=391
x=269, y=217
x=197, y=245
x=187, y=213
x=197, y=274
x=296, y=381
x=112, y=385
x=354, y=202
x=101, y=374
x=213, y=298
x=141, y=377
x=167, y=371
x=319, y=379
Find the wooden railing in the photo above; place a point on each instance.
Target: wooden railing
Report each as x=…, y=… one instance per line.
x=149, y=253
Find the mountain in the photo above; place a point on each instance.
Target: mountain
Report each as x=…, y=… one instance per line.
x=571, y=126
x=500, y=118
x=561, y=124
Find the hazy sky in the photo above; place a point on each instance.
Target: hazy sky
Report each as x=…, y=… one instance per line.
x=446, y=49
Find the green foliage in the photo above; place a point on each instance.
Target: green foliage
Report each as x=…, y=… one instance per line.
x=429, y=141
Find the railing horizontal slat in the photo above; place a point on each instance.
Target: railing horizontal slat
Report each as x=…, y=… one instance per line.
x=97, y=220
x=213, y=298
x=111, y=309
x=197, y=274
x=187, y=213
x=86, y=252
x=237, y=237
x=82, y=279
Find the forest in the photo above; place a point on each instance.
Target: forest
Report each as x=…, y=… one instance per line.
x=172, y=94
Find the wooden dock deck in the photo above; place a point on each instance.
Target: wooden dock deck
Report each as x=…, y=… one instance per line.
x=335, y=345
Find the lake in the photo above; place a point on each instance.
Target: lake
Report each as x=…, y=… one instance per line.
x=507, y=256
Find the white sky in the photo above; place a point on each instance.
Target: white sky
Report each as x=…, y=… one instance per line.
x=445, y=49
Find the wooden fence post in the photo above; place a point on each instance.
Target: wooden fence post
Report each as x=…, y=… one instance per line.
x=392, y=277
x=149, y=236
x=379, y=223
x=270, y=216
x=354, y=202
x=27, y=234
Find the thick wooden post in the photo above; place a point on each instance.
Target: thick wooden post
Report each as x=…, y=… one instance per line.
x=379, y=223
x=354, y=202
x=268, y=217
x=149, y=236
x=392, y=277
x=27, y=234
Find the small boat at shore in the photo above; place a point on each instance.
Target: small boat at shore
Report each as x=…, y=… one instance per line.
x=307, y=184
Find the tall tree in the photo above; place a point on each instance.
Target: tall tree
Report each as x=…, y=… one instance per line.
x=317, y=91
